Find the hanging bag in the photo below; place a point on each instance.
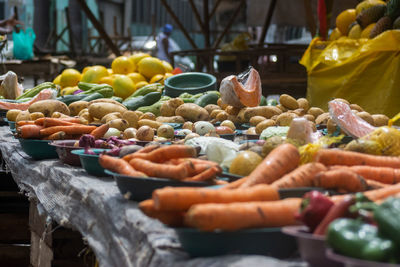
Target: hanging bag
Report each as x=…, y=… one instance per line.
x=23, y=43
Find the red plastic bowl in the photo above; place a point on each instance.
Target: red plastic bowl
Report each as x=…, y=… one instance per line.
x=64, y=148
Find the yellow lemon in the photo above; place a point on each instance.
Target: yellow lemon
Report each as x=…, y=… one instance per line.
x=365, y=33
x=136, y=77
x=123, y=86
x=367, y=4
x=244, y=163
x=107, y=80
x=344, y=19
x=85, y=69
x=57, y=79
x=135, y=58
x=94, y=74
x=335, y=34
x=141, y=84
x=150, y=66
x=159, y=78
x=355, y=32
x=122, y=65
x=110, y=71
x=70, y=77
x=167, y=66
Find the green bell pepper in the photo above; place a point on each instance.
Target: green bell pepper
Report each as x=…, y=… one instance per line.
x=387, y=216
x=357, y=239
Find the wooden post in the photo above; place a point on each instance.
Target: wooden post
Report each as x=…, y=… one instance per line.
x=206, y=24
x=197, y=16
x=70, y=33
x=178, y=22
x=229, y=25
x=267, y=22
x=99, y=28
x=310, y=17
x=215, y=8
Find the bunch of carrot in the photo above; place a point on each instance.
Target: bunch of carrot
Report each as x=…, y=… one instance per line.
x=57, y=129
x=176, y=162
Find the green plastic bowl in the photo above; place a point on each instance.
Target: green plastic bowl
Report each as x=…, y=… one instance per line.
x=38, y=149
x=190, y=82
x=91, y=162
x=11, y=124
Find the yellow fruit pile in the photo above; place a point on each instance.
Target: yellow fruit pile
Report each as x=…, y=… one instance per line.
x=126, y=75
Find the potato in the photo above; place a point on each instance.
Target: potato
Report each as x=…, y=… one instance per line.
x=222, y=116
x=303, y=103
x=85, y=116
x=221, y=104
x=145, y=133
x=83, y=111
x=36, y=115
x=342, y=100
x=59, y=115
x=215, y=112
x=77, y=106
x=256, y=120
x=229, y=124
x=380, y=120
x=366, y=116
x=138, y=113
x=234, y=119
x=150, y=123
x=285, y=119
x=264, y=124
x=23, y=116
x=309, y=117
x=110, y=116
x=356, y=107
x=168, y=108
x=188, y=125
x=315, y=111
x=106, y=100
x=288, y=102
x=211, y=107
x=192, y=112
x=148, y=116
x=131, y=117
x=119, y=124
x=275, y=117
x=172, y=119
x=232, y=110
x=331, y=126
x=240, y=115
x=282, y=108
x=166, y=131
x=47, y=107
x=251, y=130
x=323, y=118
x=12, y=114
x=129, y=133
x=264, y=111
x=313, y=126
x=99, y=110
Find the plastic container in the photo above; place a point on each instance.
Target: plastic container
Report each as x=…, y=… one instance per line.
x=64, y=148
x=91, y=162
x=11, y=124
x=190, y=82
x=312, y=248
x=261, y=241
x=353, y=262
x=38, y=149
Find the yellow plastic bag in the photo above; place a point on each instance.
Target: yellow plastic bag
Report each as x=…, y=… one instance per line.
x=365, y=72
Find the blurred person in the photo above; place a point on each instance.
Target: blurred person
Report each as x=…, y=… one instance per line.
x=165, y=44
x=8, y=25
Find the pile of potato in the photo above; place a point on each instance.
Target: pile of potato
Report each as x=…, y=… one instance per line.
x=40, y=109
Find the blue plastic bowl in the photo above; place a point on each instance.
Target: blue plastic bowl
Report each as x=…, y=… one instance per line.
x=91, y=162
x=38, y=149
x=190, y=82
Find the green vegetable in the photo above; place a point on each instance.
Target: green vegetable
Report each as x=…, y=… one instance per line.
x=68, y=99
x=357, y=239
x=104, y=89
x=91, y=97
x=263, y=101
x=116, y=98
x=274, y=131
x=141, y=101
x=185, y=95
x=36, y=90
x=188, y=100
x=155, y=108
x=387, y=215
x=151, y=88
x=24, y=99
x=206, y=99
x=86, y=86
x=196, y=96
x=272, y=102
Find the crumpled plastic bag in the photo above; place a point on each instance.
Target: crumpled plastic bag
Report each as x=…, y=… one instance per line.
x=10, y=88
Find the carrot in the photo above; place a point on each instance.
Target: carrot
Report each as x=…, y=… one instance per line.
x=100, y=131
x=71, y=129
x=303, y=176
x=41, y=121
x=235, y=184
x=171, y=218
x=236, y=216
x=182, y=198
x=149, y=148
x=331, y=157
x=22, y=123
x=280, y=161
x=379, y=194
x=219, y=182
x=119, y=166
x=29, y=131
x=165, y=153
x=340, y=179
x=49, y=122
x=375, y=184
x=384, y=175
x=56, y=136
x=194, y=161
x=142, y=152
x=208, y=174
x=152, y=169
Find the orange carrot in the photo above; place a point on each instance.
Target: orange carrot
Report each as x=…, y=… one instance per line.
x=165, y=153
x=71, y=129
x=235, y=184
x=375, y=184
x=142, y=152
x=236, y=216
x=182, y=198
x=148, y=148
x=152, y=169
x=49, y=122
x=280, y=161
x=171, y=218
x=29, y=131
x=219, y=182
x=41, y=121
x=384, y=175
x=100, y=131
x=194, y=161
x=208, y=174
x=119, y=166
x=303, y=176
x=340, y=179
x=383, y=193
x=331, y=157
x=22, y=123
x=56, y=136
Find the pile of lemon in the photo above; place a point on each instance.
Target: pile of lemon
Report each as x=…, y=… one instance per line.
x=126, y=75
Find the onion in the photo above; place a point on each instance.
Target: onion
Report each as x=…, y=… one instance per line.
x=112, y=132
x=77, y=92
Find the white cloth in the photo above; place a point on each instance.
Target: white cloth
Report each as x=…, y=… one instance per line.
x=172, y=46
